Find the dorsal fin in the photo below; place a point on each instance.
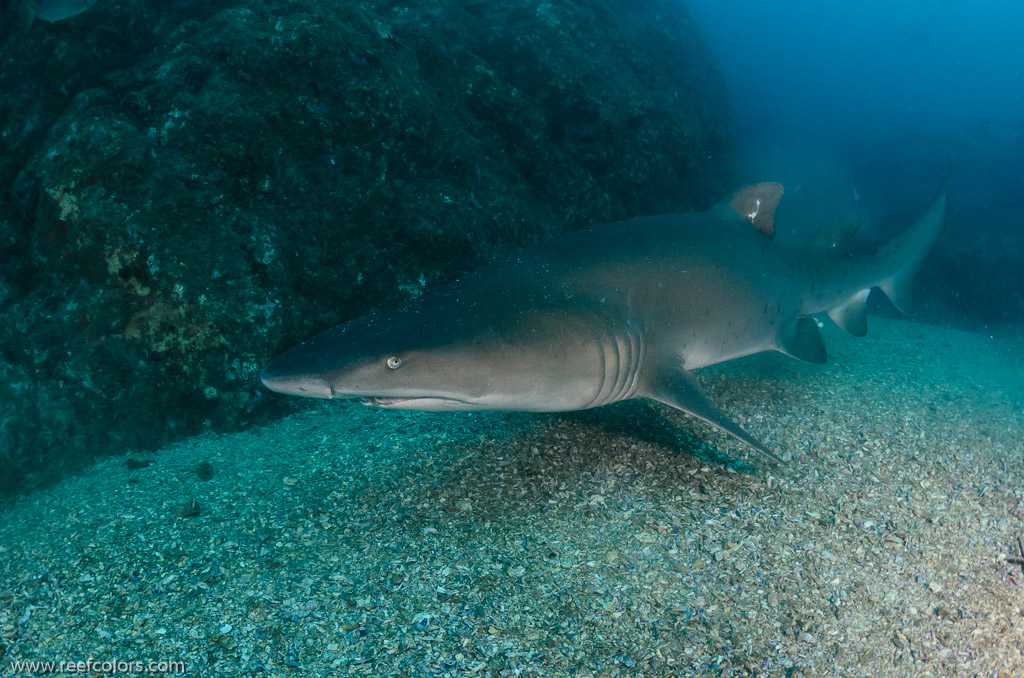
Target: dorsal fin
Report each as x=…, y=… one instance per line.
x=756, y=203
x=835, y=238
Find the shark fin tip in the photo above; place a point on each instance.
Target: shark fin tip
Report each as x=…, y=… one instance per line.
x=677, y=389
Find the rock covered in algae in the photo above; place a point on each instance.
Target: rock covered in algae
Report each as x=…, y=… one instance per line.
x=191, y=187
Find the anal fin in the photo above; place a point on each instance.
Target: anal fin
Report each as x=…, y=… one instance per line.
x=677, y=389
x=898, y=289
x=851, y=315
x=802, y=340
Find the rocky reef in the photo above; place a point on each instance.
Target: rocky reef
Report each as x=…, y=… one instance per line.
x=189, y=187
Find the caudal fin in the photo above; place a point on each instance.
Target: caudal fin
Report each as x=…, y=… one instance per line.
x=901, y=258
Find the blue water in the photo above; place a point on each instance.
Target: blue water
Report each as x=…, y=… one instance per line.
x=857, y=108
x=870, y=70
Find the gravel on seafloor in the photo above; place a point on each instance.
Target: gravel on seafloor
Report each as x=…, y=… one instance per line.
x=624, y=541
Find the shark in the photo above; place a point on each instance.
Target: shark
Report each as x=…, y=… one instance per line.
x=25, y=12
x=614, y=312
x=58, y=10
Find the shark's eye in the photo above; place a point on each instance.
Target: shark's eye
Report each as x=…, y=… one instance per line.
x=394, y=362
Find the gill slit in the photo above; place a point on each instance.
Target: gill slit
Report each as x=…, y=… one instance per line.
x=621, y=359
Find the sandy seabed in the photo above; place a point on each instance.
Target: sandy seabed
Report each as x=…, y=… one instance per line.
x=624, y=541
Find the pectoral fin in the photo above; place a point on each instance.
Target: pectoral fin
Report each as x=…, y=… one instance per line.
x=677, y=389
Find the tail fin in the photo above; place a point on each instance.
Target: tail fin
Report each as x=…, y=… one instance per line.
x=903, y=255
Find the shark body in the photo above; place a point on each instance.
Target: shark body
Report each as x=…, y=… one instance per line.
x=58, y=10
x=618, y=311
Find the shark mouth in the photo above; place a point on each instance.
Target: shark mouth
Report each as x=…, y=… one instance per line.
x=428, y=404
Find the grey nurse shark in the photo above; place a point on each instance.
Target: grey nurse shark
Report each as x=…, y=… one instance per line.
x=618, y=311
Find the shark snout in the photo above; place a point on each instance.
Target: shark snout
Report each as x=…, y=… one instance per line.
x=291, y=384
x=285, y=375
